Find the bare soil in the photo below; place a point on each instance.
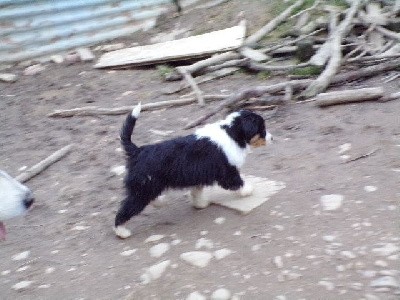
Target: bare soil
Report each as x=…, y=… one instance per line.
x=85, y=262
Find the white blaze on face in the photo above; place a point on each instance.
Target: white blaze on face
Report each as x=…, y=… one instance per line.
x=12, y=196
x=268, y=137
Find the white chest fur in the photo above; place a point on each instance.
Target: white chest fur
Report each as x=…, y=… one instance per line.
x=235, y=155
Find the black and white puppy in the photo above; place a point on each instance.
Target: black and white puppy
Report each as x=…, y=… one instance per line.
x=214, y=154
x=15, y=200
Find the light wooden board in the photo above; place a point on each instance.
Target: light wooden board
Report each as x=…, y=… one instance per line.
x=263, y=190
x=191, y=47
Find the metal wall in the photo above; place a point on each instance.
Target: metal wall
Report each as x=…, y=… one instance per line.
x=35, y=28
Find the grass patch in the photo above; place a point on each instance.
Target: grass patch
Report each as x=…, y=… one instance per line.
x=307, y=71
x=264, y=75
x=165, y=70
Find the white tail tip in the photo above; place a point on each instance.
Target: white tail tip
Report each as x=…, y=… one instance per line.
x=136, y=110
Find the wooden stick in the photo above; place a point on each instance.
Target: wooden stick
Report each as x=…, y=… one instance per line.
x=390, y=97
x=362, y=156
x=95, y=111
x=257, y=36
x=316, y=2
x=213, y=60
x=388, y=33
x=348, y=96
x=262, y=67
x=323, y=80
x=44, y=164
x=192, y=83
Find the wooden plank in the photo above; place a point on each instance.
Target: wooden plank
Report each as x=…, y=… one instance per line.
x=191, y=47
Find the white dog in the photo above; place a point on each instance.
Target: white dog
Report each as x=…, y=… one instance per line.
x=15, y=200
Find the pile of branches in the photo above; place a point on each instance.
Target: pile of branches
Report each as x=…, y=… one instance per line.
x=343, y=44
x=361, y=38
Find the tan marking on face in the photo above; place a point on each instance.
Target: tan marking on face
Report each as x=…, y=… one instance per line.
x=257, y=141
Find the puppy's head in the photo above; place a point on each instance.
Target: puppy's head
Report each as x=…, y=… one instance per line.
x=15, y=200
x=247, y=127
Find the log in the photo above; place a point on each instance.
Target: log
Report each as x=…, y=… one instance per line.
x=324, y=79
x=257, y=36
x=192, y=83
x=348, y=96
x=95, y=111
x=44, y=164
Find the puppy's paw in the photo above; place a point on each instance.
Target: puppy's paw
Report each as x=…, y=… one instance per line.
x=200, y=203
x=122, y=232
x=160, y=201
x=246, y=190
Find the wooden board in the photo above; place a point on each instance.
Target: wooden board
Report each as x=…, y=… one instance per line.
x=191, y=47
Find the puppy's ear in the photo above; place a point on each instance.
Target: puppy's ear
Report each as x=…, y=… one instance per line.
x=252, y=125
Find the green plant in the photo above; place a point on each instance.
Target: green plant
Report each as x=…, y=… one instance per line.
x=307, y=71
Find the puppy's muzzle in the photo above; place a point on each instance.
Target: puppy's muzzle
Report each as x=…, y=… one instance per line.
x=28, y=200
x=258, y=141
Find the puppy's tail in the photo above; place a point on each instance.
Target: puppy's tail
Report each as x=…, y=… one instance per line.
x=127, y=129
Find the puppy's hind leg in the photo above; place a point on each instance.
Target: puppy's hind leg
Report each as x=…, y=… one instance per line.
x=199, y=201
x=129, y=208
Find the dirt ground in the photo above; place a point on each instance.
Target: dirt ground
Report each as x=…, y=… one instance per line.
x=74, y=254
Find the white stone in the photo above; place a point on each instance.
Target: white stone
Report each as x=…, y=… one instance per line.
x=128, y=252
x=49, y=270
x=33, y=70
x=331, y=202
x=385, y=281
x=197, y=258
x=23, y=268
x=370, y=188
x=327, y=284
x=8, y=77
x=219, y=220
x=344, y=148
x=221, y=294
x=22, y=285
x=329, y=238
x=6, y=272
x=85, y=54
x=159, y=249
x=380, y=263
x=58, y=59
x=348, y=254
x=277, y=260
x=263, y=190
x=222, y=253
x=195, y=296
x=176, y=242
x=80, y=228
x=204, y=243
x=280, y=297
x=154, y=272
x=371, y=297
x=118, y=170
x=21, y=256
x=44, y=286
x=385, y=249
x=154, y=238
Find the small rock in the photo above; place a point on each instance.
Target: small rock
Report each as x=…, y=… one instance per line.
x=344, y=148
x=44, y=286
x=357, y=286
x=154, y=238
x=327, y=284
x=329, y=238
x=21, y=256
x=85, y=54
x=8, y=77
x=80, y=227
x=371, y=297
x=222, y=253
x=197, y=258
x=6, y=272
x=49, y=270
x=219, y=220
x=385, y=249
x=72, y=58
x=33, y=70
x=118, y=170
x=22, y=285
x=159, y=249
x=370, y=188
x=278, y=262
x=280, y=297
x=331, y=202
x=204, y=243
x=221, y=294
x=128, y=252
x=385, y=282
x=195, y=296
x=154, y=272
x=348, y=254
x=380, y=263
x=58, y=59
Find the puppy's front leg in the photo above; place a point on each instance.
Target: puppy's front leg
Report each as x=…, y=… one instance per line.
x=233, y=181
x=198, y=199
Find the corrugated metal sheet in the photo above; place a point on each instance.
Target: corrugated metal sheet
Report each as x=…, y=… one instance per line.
x=34, y=28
